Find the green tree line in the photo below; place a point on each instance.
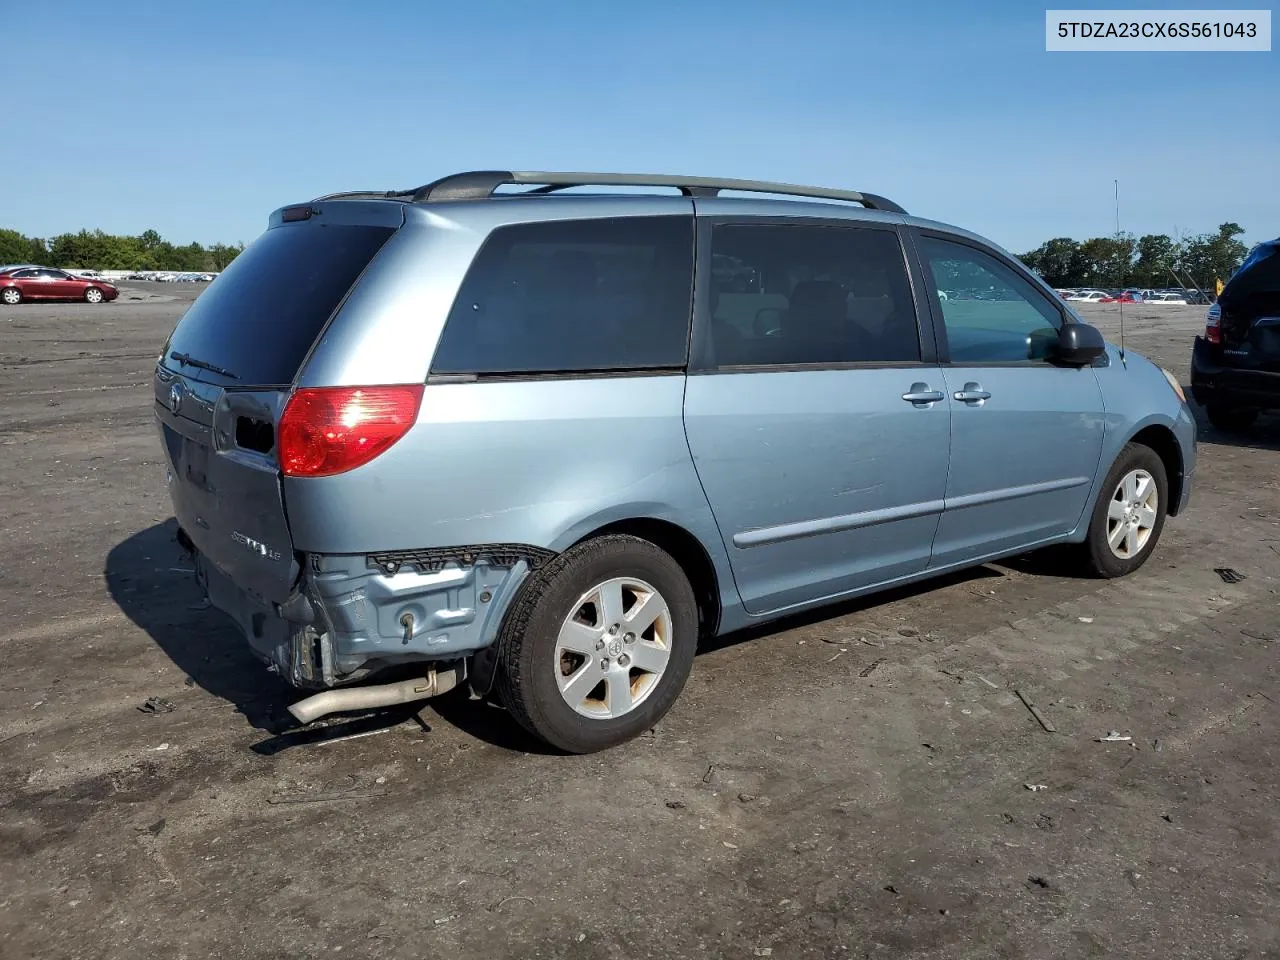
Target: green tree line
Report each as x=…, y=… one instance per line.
x=1154, y=260
x=96, y=250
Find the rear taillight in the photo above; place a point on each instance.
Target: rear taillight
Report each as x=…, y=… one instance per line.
x=1213, y=324
x=329, y=430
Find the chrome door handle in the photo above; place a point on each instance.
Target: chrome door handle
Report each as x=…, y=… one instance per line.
x=922, y=393
x=972, y=393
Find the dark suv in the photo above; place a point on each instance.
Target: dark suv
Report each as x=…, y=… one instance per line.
x=1235, y=365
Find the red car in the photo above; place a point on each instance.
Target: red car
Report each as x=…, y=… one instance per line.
x=46, y=283
x=1123, y=298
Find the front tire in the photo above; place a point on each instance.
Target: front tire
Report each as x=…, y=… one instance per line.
x=93, y=295
x=599, y=644
x=11, y=295
x=1129, y=514
x=1230, y=419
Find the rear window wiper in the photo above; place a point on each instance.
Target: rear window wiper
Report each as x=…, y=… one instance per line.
x=189, y=361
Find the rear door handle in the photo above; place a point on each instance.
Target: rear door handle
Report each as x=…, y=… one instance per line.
x=972, y=393
x=922, y=393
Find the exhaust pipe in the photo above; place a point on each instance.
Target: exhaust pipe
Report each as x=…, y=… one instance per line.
x=386, y=695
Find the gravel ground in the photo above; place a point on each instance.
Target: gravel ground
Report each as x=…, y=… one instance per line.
x=851, y=784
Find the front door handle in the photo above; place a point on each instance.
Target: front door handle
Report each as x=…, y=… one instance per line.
x=923, y=394
x=972, y=393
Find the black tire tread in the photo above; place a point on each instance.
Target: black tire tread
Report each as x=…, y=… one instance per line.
x=1096, y=556
x=510, y=683
x=513, y=686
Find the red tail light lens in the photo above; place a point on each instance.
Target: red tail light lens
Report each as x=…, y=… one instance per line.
x=1213, y=324
x=329, y=430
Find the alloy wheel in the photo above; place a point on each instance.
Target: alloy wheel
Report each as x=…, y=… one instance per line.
x=613, y=648
x=1131, y=514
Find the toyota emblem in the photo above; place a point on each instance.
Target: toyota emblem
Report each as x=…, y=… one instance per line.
x=175, y=397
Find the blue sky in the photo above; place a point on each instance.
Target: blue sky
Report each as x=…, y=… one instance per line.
x=197, y=121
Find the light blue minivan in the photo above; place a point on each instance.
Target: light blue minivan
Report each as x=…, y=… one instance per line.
x=541, y=433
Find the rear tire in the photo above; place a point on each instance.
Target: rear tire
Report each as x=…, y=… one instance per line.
x=1230, y=419
x=571, y=671
x=93, y=295
x=11, y=295
x=1128, y=515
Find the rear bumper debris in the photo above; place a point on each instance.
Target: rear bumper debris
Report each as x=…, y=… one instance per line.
x=350, y=616
x=433, y=684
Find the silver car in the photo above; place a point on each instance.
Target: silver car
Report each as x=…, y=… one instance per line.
x=499, y=432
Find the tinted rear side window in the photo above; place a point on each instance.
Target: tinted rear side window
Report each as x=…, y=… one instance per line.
x=261, y=316
x=574, y=296
x=786, y=294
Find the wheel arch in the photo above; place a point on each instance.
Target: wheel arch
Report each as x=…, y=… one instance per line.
x=1161, y=439
x=685, y=547
x=687, y=550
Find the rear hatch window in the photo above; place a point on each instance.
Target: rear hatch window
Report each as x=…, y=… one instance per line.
x=258, y=320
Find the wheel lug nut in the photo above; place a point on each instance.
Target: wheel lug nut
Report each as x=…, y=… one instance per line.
x=599, y=644
x=613, y=630
x=604, y=663
x=623, y=660
x=629, y=638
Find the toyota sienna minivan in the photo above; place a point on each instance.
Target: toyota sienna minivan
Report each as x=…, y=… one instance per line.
x=539, y=434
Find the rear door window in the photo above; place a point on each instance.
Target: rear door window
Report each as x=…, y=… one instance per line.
x=261, y=316
x=574, y=296
x=795, y=294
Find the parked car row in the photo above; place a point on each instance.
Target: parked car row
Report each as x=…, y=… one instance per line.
x=166, y=277
x=34, y=281
x=1174, y=296
x=28, y=282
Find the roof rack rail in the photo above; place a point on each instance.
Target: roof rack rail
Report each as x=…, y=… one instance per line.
x=481, y=184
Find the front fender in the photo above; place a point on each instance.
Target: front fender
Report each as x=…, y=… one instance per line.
x=1137, y=398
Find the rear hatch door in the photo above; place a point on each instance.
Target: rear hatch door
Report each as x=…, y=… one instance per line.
x=1250, y=305
x=225, y=375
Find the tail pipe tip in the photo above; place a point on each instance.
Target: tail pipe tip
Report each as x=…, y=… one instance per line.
x=371, y=697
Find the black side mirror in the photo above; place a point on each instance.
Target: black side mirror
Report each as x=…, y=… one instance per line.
x=1079, y=344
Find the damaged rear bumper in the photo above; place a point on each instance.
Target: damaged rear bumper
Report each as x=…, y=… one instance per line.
x=350, y=616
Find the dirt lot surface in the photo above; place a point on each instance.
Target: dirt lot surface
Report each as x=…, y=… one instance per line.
x=849, y=785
